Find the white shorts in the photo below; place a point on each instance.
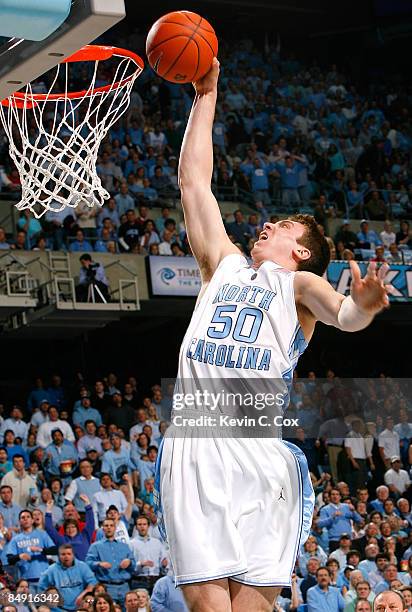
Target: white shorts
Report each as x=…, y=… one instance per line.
x=234, y=507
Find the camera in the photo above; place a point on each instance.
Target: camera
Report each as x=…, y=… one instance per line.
x=91, y=270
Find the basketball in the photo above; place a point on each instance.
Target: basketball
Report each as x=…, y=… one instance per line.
x=180, y=47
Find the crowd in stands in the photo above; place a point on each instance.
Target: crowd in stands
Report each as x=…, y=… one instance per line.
x=77, y=516
x=77, y=507
x=287, y=136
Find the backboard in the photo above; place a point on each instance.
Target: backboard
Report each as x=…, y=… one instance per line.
x=23, y=60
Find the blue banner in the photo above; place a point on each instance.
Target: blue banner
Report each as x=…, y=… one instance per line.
x=399, y=277
x=180, y=276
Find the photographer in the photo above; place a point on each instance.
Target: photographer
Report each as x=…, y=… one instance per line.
x=91, y=278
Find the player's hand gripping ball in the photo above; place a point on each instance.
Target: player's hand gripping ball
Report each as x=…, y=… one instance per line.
x=181, y=46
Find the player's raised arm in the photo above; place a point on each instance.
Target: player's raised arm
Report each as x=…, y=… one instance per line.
x=351, y=313
x=205, y=230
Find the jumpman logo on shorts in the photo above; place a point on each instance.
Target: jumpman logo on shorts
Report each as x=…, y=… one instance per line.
x=281, y=496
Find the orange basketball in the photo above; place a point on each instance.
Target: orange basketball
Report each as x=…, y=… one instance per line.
x=180, y=47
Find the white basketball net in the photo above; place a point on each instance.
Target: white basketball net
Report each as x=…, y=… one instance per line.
x=55, y=142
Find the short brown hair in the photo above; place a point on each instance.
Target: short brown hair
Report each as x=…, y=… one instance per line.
x=68, y=522
x=313, y=240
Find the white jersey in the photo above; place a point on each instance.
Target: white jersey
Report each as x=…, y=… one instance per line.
x=245, y=326
x=247, y=492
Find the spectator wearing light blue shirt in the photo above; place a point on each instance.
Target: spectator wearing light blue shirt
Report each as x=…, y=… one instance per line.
x=8, y=509
x=85, y=412
x=89, y=441
x=160, y=221
x=14, y=449
x=85, y=484
x=404, y=431
x=117, y=461
x=219, y=134
x=30, y=225
x=166, y=598
x=102, y=244
x=106, y=497
x=337, y=517
x=258, y=174
x=37, y=395
x=71, y=577
x=389, y=573
x=146, y=469
x=56, y=392
x=146, y=191
x=109, y=211
x=60, y=457
x=4, y=245
x=323, y=597
x=149, y=553
x=42, y=415
x=124, y=200
x=368, y=565
x=6, y=465
x=132, y=165
x=112, y=562
x=16, y=424
x=55, y=511
x=311, y=549
x=28, y=549
x=289, y=172
x=80, y=244
x=367, y=238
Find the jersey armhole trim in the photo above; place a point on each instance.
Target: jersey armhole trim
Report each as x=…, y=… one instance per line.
x=238, y=255
x=292, y=291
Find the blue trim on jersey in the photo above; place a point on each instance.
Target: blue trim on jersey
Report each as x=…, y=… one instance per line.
x=297, y=347
x=306, y=496
x=157, y=496
x=228, y=574
x=297, y=344
x=258, y=583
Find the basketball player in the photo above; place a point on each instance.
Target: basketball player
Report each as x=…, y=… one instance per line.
x=236, y=510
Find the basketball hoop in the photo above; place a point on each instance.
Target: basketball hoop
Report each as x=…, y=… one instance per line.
x=54, y=138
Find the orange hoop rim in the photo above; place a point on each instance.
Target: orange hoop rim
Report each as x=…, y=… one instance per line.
x=88, y=53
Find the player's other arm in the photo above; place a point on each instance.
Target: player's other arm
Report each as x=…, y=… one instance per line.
x=320, y=302
x=205, y=230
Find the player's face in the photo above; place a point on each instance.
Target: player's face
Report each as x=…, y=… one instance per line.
x=278, y=241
